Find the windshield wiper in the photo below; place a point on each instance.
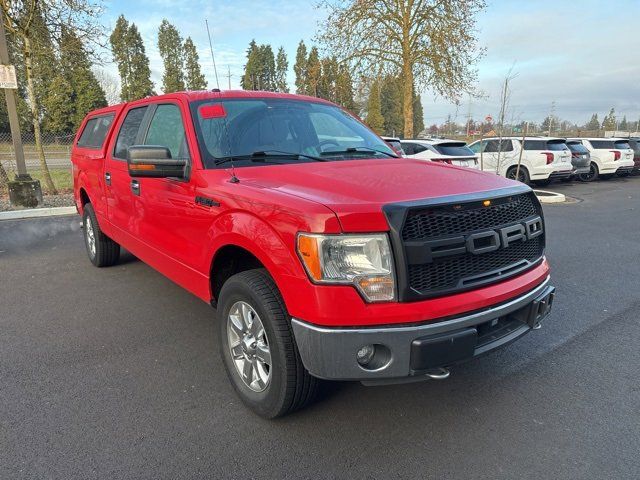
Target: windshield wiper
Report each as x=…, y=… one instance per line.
x=358, y=150
x=263, y=155
x=279, y=153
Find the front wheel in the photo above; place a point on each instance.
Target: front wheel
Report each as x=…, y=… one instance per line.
x=591, y=175
x=258, y=348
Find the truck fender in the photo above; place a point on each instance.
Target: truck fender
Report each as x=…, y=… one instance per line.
x=249, y=232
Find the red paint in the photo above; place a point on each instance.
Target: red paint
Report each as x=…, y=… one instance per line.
x=262, y=213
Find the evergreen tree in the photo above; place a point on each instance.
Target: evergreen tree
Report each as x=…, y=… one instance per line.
x=624, y=125
x=391, y=105
x=260, y=69
x=172, y=53
x=133, y=64
x=609, y=122
x=344, y=89
x=593, y=124
x=314, y=72
x=374, y=117
x=87, y=94
x=250, y=78
x=300, y=69
x=282, y=65
x=60, y=105
x=418, y=115
x=194, y=78
x=267, y=68
x=327, y=86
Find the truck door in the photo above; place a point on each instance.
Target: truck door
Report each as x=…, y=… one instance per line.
x=169, y=219
x=122, y=198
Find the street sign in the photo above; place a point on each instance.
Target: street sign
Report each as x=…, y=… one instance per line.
x=8, y=77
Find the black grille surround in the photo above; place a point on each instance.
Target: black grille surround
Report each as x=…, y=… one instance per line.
x=413, y=225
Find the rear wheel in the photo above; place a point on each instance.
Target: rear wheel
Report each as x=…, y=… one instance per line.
x=522, y=174
x=591, y=175
x=102, y=251
x=258, y=348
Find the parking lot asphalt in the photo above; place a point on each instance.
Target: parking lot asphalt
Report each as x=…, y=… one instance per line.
x=115, y=373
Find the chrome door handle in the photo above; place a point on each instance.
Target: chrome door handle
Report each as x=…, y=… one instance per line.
x=107, y=178
x=135, y=187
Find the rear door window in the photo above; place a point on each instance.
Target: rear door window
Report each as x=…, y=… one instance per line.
x=129, y=131
x=534, y=145
x=95, y=131
x=601, y=144
x=167, y=130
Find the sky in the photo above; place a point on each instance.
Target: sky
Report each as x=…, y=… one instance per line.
x=574, y=58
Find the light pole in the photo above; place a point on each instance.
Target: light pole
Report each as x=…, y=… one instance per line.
x=23, y=191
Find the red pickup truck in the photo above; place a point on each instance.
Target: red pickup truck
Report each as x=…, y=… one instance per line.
x=325, y=254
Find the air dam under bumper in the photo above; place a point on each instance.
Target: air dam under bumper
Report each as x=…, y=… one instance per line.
x=411, y=352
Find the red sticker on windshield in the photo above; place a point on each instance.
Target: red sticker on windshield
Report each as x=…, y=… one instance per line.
x=212, y=110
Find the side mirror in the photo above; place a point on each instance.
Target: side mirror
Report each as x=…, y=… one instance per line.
x=154, y=161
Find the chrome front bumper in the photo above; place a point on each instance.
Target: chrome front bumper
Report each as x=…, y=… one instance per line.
x=416, y=351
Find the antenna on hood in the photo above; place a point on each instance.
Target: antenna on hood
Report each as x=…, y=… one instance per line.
x=215, y=70
x=233, y=179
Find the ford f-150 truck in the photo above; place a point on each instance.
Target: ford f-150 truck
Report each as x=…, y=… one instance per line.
x=325, y=254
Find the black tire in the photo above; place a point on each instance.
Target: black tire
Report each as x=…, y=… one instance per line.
x=523, y=174
x=289, y=386
x=623, y=174
x=106, y=252
x=543, y=183
x=593, y=174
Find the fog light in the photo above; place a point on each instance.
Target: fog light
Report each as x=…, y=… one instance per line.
x=365, y=354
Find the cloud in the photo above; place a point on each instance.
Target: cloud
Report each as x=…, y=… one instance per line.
x=579, y=55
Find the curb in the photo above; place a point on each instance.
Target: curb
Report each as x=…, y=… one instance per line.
x=550, y=197
x=37, y=212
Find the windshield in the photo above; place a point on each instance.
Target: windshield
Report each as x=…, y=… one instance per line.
x=556, y=145
x=622, y=145
x=577, y=147
x=454, y=149
x=282, y=128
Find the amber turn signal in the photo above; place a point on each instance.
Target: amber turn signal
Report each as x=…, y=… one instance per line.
x=308, y=248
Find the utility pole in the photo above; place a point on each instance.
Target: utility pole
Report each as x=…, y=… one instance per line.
x=24, y=191
x=229, y=76
x=553, y=111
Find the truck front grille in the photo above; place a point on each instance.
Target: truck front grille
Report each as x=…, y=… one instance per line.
x=417, y=229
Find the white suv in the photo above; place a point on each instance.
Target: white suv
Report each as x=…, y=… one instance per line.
x=608, y=157
x=453, y=152
x=543, y=158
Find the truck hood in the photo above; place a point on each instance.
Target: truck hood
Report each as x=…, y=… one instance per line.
x=356, y=190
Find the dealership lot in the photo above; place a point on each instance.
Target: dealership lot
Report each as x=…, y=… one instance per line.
x=115, y=373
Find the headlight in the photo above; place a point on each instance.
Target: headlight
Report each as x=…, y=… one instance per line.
x=362, y=260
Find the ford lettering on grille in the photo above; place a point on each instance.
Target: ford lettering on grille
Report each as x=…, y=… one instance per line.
x=485, y=242
x=443, y=248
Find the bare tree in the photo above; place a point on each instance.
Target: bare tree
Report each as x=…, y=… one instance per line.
x=428, y=43
x=22, y=19
x=109, y=84
x=505, y=98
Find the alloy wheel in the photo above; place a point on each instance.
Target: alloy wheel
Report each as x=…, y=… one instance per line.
x=249, y=346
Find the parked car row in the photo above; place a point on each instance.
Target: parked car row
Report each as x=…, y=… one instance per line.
x=531, y=160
